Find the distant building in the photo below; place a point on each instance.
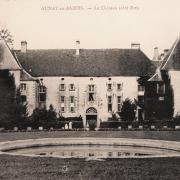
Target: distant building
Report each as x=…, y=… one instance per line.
x=163, y=83
x=87, y=82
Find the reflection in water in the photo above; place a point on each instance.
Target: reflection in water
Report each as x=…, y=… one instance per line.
x=92, y=151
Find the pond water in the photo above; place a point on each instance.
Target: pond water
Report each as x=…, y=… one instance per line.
x=92, y=151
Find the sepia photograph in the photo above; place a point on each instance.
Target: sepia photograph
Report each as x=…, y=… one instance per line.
x=89, y=90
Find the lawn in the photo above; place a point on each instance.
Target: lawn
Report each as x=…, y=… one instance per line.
x=24, y=168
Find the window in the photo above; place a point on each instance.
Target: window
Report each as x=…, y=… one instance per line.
x=42, y=89
x=23, y=86
x=62, y=87
x=23, y=98
x=161, y=98
x=161, y=88
x=71, y=99
x=140, y=88
x=42, y=93
x=109, y=87
x=71, y=87
x=62, y=103
x=119, y=87
x=91, y=89
x=72, y=109
x=109, y=103
x=72, y=104
x=91, y=96
x=119, y=99
x=140, y=99
x=118, y=103
x=62, y=109
x=62, y=99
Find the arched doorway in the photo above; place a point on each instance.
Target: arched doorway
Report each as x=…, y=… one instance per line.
x=91, y=117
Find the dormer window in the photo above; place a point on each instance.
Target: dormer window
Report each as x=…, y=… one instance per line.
x=62, y=87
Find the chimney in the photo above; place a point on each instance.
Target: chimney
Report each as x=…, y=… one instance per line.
x=165, y=52
x=156, y=54
x=77, y=47
x=135, y=46
x=162, y=56
x=23, y=46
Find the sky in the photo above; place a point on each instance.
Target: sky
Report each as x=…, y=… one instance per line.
x=54, y=24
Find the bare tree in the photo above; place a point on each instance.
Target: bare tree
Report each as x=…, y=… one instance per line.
x=6, y=35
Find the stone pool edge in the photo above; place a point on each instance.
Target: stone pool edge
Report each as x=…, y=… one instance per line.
x=172, y=145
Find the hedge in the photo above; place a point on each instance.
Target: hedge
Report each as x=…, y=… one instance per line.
x=159, y=124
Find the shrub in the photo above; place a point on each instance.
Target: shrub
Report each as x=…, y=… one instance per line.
x=176, y=120
x=128, y=110
x=44, y=117
x=109, y=124
x=77, y=124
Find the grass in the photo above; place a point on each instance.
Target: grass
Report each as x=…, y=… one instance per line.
x=25, y=168
x=163, y=135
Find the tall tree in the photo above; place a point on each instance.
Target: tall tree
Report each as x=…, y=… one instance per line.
x=51, y=117
x=20, y=111
x=7, y=98
x=44, y=117
x=128, y=110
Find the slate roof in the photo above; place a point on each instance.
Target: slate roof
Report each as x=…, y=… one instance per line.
x=172, y=59
x=90, y=62
x=24, y=76
x=170, y=62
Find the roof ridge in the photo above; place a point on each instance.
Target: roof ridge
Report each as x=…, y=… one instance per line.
x=82, y=49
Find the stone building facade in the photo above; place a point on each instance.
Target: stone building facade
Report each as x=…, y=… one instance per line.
x=91, y=83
